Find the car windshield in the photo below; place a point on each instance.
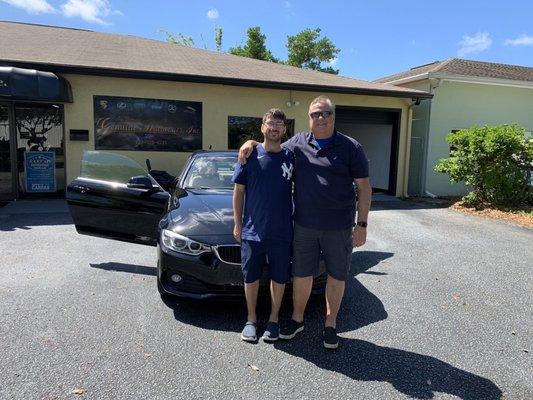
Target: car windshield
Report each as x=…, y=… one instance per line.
x=211, y=172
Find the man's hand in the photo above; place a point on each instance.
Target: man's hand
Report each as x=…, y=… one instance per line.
x=245, y=150
x=237, y=230
x=358, y=236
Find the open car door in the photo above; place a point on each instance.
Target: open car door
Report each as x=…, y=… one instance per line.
x=115, y=198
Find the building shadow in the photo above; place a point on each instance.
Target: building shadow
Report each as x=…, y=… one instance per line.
x=409, y=204
x=12, y=222
x=415, y=375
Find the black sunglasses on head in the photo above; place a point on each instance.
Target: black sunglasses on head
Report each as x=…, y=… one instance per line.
x=318, y=114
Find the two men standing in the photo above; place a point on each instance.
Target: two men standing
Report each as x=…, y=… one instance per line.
x=326, y=166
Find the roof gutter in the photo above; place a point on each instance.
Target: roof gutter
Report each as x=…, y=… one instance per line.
x=216, y=80
x=408, y=79
x=481, y=80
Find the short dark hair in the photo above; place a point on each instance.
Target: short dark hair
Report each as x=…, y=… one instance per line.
x=275, y=113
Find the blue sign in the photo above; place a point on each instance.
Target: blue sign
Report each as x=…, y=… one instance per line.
x=40, y=170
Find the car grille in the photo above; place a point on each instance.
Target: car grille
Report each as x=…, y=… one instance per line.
x=229, y=254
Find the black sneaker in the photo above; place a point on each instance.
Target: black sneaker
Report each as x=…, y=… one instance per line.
x=331, y=341
x=289, y=330
x=271, y=332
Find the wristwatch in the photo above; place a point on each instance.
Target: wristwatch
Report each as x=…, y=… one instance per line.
x=362, y=224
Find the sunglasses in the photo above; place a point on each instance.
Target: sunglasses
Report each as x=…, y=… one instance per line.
x=323, y=114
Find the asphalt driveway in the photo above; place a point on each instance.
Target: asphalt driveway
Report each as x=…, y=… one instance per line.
x=438, y=305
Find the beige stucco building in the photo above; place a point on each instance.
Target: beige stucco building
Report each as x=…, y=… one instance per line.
x=150, y=99
x=466, y=94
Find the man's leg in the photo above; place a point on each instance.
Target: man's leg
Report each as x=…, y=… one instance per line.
x=334, y=294
x=337, y=249
x=276, y=296
x=304, y=267
x=306, y=255
x=302, y=287
x=251, y=259
x=250, y=292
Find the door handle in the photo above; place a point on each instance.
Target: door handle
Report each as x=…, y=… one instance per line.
x=81, y=189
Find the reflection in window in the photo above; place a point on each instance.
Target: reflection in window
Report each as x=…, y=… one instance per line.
x=39, y=127
x=241, y=129
x=109, y=167
x=211, y=172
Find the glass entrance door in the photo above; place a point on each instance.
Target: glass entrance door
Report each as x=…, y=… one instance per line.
x=6, y=156
x=40, y=149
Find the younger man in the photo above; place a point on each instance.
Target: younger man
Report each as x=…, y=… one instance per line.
x=263, y=188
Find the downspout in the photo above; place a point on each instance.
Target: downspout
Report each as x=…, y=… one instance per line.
x=414, y=102
x=434, y=83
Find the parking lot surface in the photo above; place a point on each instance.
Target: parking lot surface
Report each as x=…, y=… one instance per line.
x=438, y=306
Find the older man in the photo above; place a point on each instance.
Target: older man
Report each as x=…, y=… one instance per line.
x=327, y=165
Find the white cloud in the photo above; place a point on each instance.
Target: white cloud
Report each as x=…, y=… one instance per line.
x=89, y=10
x=288, y=4
x=32, y=6
x=474, y=44
x=212, y=14
x=523, y=40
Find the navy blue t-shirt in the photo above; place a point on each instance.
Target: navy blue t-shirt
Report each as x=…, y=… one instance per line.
x=268, y=196
x=324, y=196
x=323, y=142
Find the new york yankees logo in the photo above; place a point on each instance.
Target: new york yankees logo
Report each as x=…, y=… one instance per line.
x=287, y=170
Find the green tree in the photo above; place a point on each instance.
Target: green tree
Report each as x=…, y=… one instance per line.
x=306, y=50
x=495, y=160
x=180, y=38
x=255, y=46
x=218, y=38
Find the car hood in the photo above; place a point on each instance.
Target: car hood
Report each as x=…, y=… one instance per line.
x=204, y=215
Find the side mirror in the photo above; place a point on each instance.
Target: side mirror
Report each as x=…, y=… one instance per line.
x=140, y=182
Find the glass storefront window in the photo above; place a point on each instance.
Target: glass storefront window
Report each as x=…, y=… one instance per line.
x=6, y=187
x=241, y=129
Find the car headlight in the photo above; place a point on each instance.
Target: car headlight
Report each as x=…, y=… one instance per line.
x=175, y=242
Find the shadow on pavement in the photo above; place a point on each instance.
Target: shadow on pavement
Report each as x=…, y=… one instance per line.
x=413, y=374
x=360, y=306
x=408, y=204
x=12, y=222
x=121, y=267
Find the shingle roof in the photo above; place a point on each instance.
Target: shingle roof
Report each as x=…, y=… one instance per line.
x=458, y=66
x=74, y=50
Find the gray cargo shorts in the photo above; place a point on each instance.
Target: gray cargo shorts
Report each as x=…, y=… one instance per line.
x=311, y=244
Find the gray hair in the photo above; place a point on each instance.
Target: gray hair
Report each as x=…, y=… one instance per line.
x=324, y=100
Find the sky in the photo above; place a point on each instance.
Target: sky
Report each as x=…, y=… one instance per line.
x=376, y=38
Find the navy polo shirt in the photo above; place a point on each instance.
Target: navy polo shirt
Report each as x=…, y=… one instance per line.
x=268, y=197
x=324, y=195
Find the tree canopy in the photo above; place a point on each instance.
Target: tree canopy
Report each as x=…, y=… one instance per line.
x=255, y=46
x=306, y=50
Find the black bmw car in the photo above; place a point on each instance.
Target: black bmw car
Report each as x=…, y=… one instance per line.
x=191, y=224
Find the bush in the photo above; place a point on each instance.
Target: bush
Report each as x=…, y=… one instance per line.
x=495, y=160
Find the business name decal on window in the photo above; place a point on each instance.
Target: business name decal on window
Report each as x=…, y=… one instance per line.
x=125, y=123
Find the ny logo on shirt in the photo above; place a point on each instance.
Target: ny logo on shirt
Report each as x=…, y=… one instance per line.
x=287, y=170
